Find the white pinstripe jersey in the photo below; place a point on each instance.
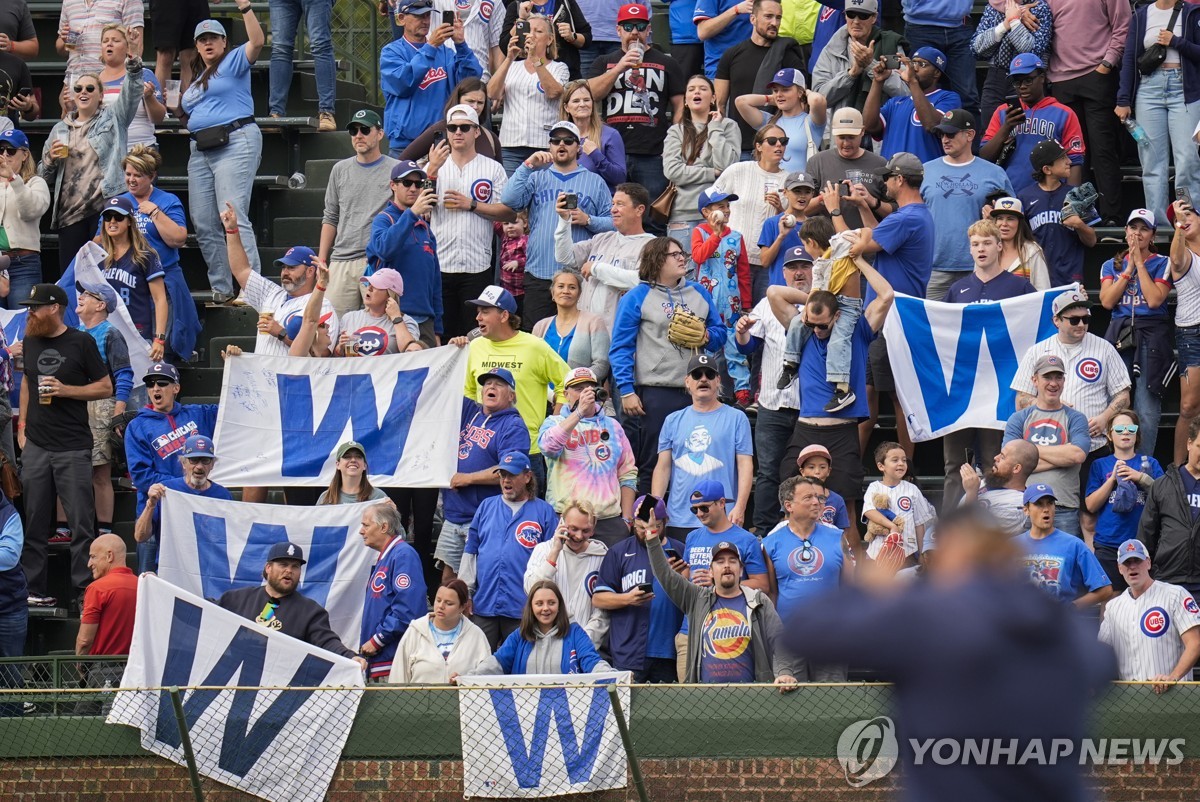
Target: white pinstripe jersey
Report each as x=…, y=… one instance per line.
x=464, y=239
x=483, y=21
x=1146, y=632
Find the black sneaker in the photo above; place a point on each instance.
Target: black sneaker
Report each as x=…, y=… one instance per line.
x=787, y=375
x=841, y=400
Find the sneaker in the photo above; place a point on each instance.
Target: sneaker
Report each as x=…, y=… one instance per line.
x=787, y=375
x=743, y=398
x=841, y=399
x=326, y=121
x=41, y=601
x=222, y=298
x=61, y=535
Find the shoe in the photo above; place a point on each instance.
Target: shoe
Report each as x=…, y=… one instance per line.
x=41, y=601
x=326, y=121
x=61, y=535
x=787, y=375
x=221, y=298
x=743, y=398
x=841, y=399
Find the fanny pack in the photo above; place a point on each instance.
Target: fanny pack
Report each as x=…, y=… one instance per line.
x=217, y=136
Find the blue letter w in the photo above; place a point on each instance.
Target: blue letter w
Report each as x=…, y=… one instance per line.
x=552, y=702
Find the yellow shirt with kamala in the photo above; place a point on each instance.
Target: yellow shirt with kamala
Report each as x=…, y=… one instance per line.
x=534, y=366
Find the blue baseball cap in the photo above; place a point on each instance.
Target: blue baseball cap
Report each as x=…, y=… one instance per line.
x=198, y=447
x=286, y=551
x=1132, y=549
x=209, y=26
x=1025, y=63
x=514, y=462
x=292, y=324
x=297, y=255
x=797, y=254
x=788, y=77
x=16, y=138
x=503, y=374
x=100, y=289
x=406, y=167
x=1037, y=493
x=934, y=56
x=707, y=490
x=497, y=297
x=414, y=7
x=120, y=204
x=161, y=369
x=713, y=195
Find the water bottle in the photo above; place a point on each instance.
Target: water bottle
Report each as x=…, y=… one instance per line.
x=297, y=181
x=1136, y=131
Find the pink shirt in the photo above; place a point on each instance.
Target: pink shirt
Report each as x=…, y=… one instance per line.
x=1087, y=32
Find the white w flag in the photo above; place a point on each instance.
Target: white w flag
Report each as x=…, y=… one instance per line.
x=523, y=741
x=211, y=545
x=953, y=363
x=280, y=745
x=282, y=418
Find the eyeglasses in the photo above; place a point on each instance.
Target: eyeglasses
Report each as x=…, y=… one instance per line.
x=1077, y=320
x=701, y=509
x=1021, y=80
x=630, y=27
x=7, y=150
x=921, y=63
x=358, y=130
x=776, y=140
x=563, y=140
x=816, y=326
x=465, y=128
x=1126, y=428
x=113, y=217
x=409, y=182
x=201, y=460
x=157, y=382
x=80, y=89
x=677, y=255
x=703, y=373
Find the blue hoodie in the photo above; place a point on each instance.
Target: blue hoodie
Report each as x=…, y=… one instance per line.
x=482, y=438
x=417, y=81
x=153, y=441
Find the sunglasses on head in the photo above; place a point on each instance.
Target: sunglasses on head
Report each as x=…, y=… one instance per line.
x=1075, y=320
x=7, y=150
x=776, y=140
x=409, y=182
x=703, y=373
x=464, y=128
x=701, y=508
x=630, y=27
x=159, y=382
x=1125, y=428
x=859, y=15
x=563, y=140
x=78, y=89
x=358, y=130
x=112, y=217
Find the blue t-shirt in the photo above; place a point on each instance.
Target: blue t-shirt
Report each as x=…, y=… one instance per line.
x=973, y=290
x=903, y=131
x=228, y=97
x=737, y=31
x=770, y=230
x=638, y=632
x=1064, y=252
x=834, y=514
x=817, y=391
x=1062, y=565
x=725, y=651
x=132, y=283
x=907, y=238
x=956, y=194
x=1114, y=528
x=172, y=207
x=804, y=567
x=703, y=445
x=683, y=30
x=1158, y=267
x=1191, y=490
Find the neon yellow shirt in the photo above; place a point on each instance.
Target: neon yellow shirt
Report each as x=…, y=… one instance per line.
x=534, y=366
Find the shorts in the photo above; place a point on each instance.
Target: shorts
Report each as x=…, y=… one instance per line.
x=100, y=415
x=345, y=291
x=1187, y=339
x=450, y=545
x=174, y=22
x=879, y=367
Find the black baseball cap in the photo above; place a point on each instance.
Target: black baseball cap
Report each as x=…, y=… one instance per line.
x=46, y=294
x=286, y=551
x=699, y=361
x=956, y=120
x=1046, y=153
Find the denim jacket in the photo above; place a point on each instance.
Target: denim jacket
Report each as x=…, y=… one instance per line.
x=108, y=136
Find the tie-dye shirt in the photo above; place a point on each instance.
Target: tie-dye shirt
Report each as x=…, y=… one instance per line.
x=591, y=463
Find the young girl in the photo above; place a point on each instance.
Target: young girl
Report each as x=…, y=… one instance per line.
x=1021, y=255
x=513, y=238
x=904, y=504
x=801, y=114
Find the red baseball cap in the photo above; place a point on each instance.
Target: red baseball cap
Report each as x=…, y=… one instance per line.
x=633, y=11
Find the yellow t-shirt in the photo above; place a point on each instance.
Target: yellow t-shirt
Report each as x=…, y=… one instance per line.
x=534, y=366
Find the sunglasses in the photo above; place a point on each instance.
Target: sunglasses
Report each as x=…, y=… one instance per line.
x=1125, y=428
x=465, y=128
x=817, y=326
x=80, y=89
x=113, y=217
x=859, y=15
x=704, y=373
x=7, y=150
x=776, y=140
x=1078, y=319
x=563, y=140
x=630, y=27
x=159, y=383
x=409, y=182
x=701, y=509
x=358, y=130
x=948, y=134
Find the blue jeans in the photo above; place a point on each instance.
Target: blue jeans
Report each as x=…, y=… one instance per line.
x=955, y=42
x=285, y=19
x=1159, y=107
x=216, y=176
x=1067, y=519
x=23, y=273
x=147, y=555
x=1146, y=404
x=511, y=158
x=12, y=644
x=772, y=430
x=682, y=231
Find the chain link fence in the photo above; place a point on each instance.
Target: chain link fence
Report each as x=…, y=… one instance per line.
x=359, y=33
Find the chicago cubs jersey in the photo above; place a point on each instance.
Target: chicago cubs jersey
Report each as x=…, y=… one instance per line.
x=1095, y=373
x=906, y=501
x=903, y=131
x=804, y=567
x=465, y=238
x=1046, y=119
x=645, y=630
x=266, y=296
x=482, y=26
x=395, y=596
x=1146, y=632
x=502, y=540
x=1133, y=302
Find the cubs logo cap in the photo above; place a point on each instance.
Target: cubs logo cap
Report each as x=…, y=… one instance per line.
x=1025, y=63
x=286, y=551
x=120, y=204
x=788, y=77
x=514, y=462
x=503, y=374
x=1008, y=206
x=934, y=56
x=708, y=490
x=633, y=11
x=386, y=279
x=366, y=117
x=1144, y=215
x=406, y=168
x=461, y=111
x=1132, y=549
x=797, y=254
x=1069, y=299
x=198, y=447
x=159, y=370
x=956, y=120
x=498, y=297
x=1037, y=493
x=16, y=138
x=209, y=26
x=297, y=255
x=1048, y=363
x=725, y=545
x=580, y=376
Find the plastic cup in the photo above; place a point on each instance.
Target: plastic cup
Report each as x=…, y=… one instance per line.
x=43, y=390
x=171, y=93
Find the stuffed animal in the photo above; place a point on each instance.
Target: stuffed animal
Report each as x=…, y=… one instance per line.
x=883, y=507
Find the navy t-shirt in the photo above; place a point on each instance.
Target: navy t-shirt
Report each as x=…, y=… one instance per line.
x=1064, y=252
x=725, y=651
x=907, y=238
x=635, y=633
x=973, y=290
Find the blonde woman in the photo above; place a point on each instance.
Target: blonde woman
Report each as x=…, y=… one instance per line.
x=529, y=81
x=114, y=48
x=24, y=198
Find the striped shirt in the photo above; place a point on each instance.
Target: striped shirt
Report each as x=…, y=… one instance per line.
x=1095, y=373
x=482, y=24
x=906, y=501
x=464, y=238
x=528, y=113
x=87, y=19
x=266, y=296
x=1187, y=295
x=1147, y=632
x=767, y=328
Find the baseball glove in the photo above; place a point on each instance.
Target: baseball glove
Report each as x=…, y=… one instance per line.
x=686, y=330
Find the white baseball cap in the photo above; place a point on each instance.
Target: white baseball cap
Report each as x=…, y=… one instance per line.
x=462, y=110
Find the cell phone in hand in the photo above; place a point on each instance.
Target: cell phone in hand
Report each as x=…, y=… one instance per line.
x=671, y=554
x=1014, y=103
x=438, y=137
x=571, y=201
x=25, y=91
x=522, y=33
x=1182, y=194
x=428, y=183
x=890, y=62
x=646, y=509
x=646, y=587
x=969, y=453
x=448, y=17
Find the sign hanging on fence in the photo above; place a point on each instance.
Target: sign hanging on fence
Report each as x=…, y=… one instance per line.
x=281, y=745
x=212, y=545
x=281, y=418
x=540, y=735
x=954, y=363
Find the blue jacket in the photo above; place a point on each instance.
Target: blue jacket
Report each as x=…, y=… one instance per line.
x=417, y=80
x=395, y=596
x=1189, y=55
x=14, y=594
x=153, y=441
x=482, y=438
x=537, y=191
x=403, y=241
x=578, y=654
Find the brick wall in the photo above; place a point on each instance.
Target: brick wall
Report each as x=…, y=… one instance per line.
x=150, y=779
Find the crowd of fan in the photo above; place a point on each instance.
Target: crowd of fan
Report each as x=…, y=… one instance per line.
x=648, y=252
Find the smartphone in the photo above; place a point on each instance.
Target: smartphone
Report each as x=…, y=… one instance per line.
x=671, y=554
x=1014, y=103
x=646, y=587
x=1182, y=194
x=647, y=508
x=522, y=33
x=25, y=91
x=571, y=201
x=438, y=138
x=969, y=453
x=429, y=183
x=448, y=18
x=890, y=62
x=844, y=189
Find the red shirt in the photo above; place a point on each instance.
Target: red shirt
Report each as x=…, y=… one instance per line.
x=110, y=601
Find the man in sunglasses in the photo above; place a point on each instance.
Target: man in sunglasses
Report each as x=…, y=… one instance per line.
x=708, y=503
x=842, y=70
x=357, y=190
x=905, y=122
x=196, y=460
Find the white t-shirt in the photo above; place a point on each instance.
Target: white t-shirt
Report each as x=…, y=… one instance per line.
x=528, y=113
x=906, y=501
x=1147, y=632
x=1008, y=507
x=464, y=238
x=1187, y=295
x=266, y=296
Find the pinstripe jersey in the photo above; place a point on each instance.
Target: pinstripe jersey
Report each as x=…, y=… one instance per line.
x=464, y=238
x=482, y=23
x=1095, y=373
x=768, y=329
x=528, y=113
x=1146, y=632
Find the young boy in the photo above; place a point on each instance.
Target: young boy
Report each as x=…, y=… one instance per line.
x=724, y=270
x=1062, y=233
x=781, y=233
x=904, y=502
x=835, y=271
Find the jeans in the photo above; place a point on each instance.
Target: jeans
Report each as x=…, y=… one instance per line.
x=591, y=52
x=12, y=644
x=772, y=429
x=1067, y=519
x=451, y=542
x=837, y=362
x=1093, y=97
x=70, y=474
x=511, y=158
x=682, y=232
x=216, y=176
x=955, y=42
x=1159, y=107
x=1146, y=404
x=648, y=171
x=642, y=430
x=147, y=556
x=285, y=19
x=23, y=273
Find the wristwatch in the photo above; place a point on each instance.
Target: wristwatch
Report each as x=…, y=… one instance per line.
x=396, y=321
x=474, y=203
x=835, y=212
